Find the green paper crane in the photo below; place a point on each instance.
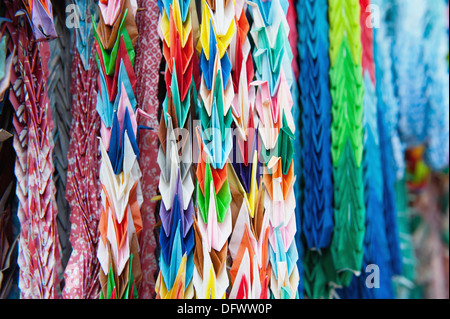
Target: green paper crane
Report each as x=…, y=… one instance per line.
x=110, y=57
x=225, y=120
x=222, y=198
x=284, y=148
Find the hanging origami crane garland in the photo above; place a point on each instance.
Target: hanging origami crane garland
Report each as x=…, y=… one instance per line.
x=347, y=92
x=409, y=72
x=387, y=100
x=242, y=74
x=236, y=209
x=120, y=221
x=83, y=187
x=419, y=85
x=436, y=46
x=421, y=82
x=39, y=251
x=316, y=119
x=436, y=153
x=213, y=222
x=376, y=250
x=248, y=246
x=317, y=199
x=60, y=99
x=273, y=103
x=293, y=20
x=390, y=145
x=9, y=233
x=147, y=66
x=9, y=236
x=176, y=181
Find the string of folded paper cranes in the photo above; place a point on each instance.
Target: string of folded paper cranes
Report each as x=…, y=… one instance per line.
x=120, y=221
x=38, y=247
x=83, y=187
x=282, y=129
x=176, y=184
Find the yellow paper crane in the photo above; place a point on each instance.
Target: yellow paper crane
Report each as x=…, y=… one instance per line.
x=222, y=23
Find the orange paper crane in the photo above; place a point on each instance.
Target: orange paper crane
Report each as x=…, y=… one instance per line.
x=250, y=271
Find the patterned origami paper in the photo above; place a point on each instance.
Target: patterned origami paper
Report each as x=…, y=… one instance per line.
x=147, y=63
x=39, y=251
x=347, y=92
x=83, y=187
